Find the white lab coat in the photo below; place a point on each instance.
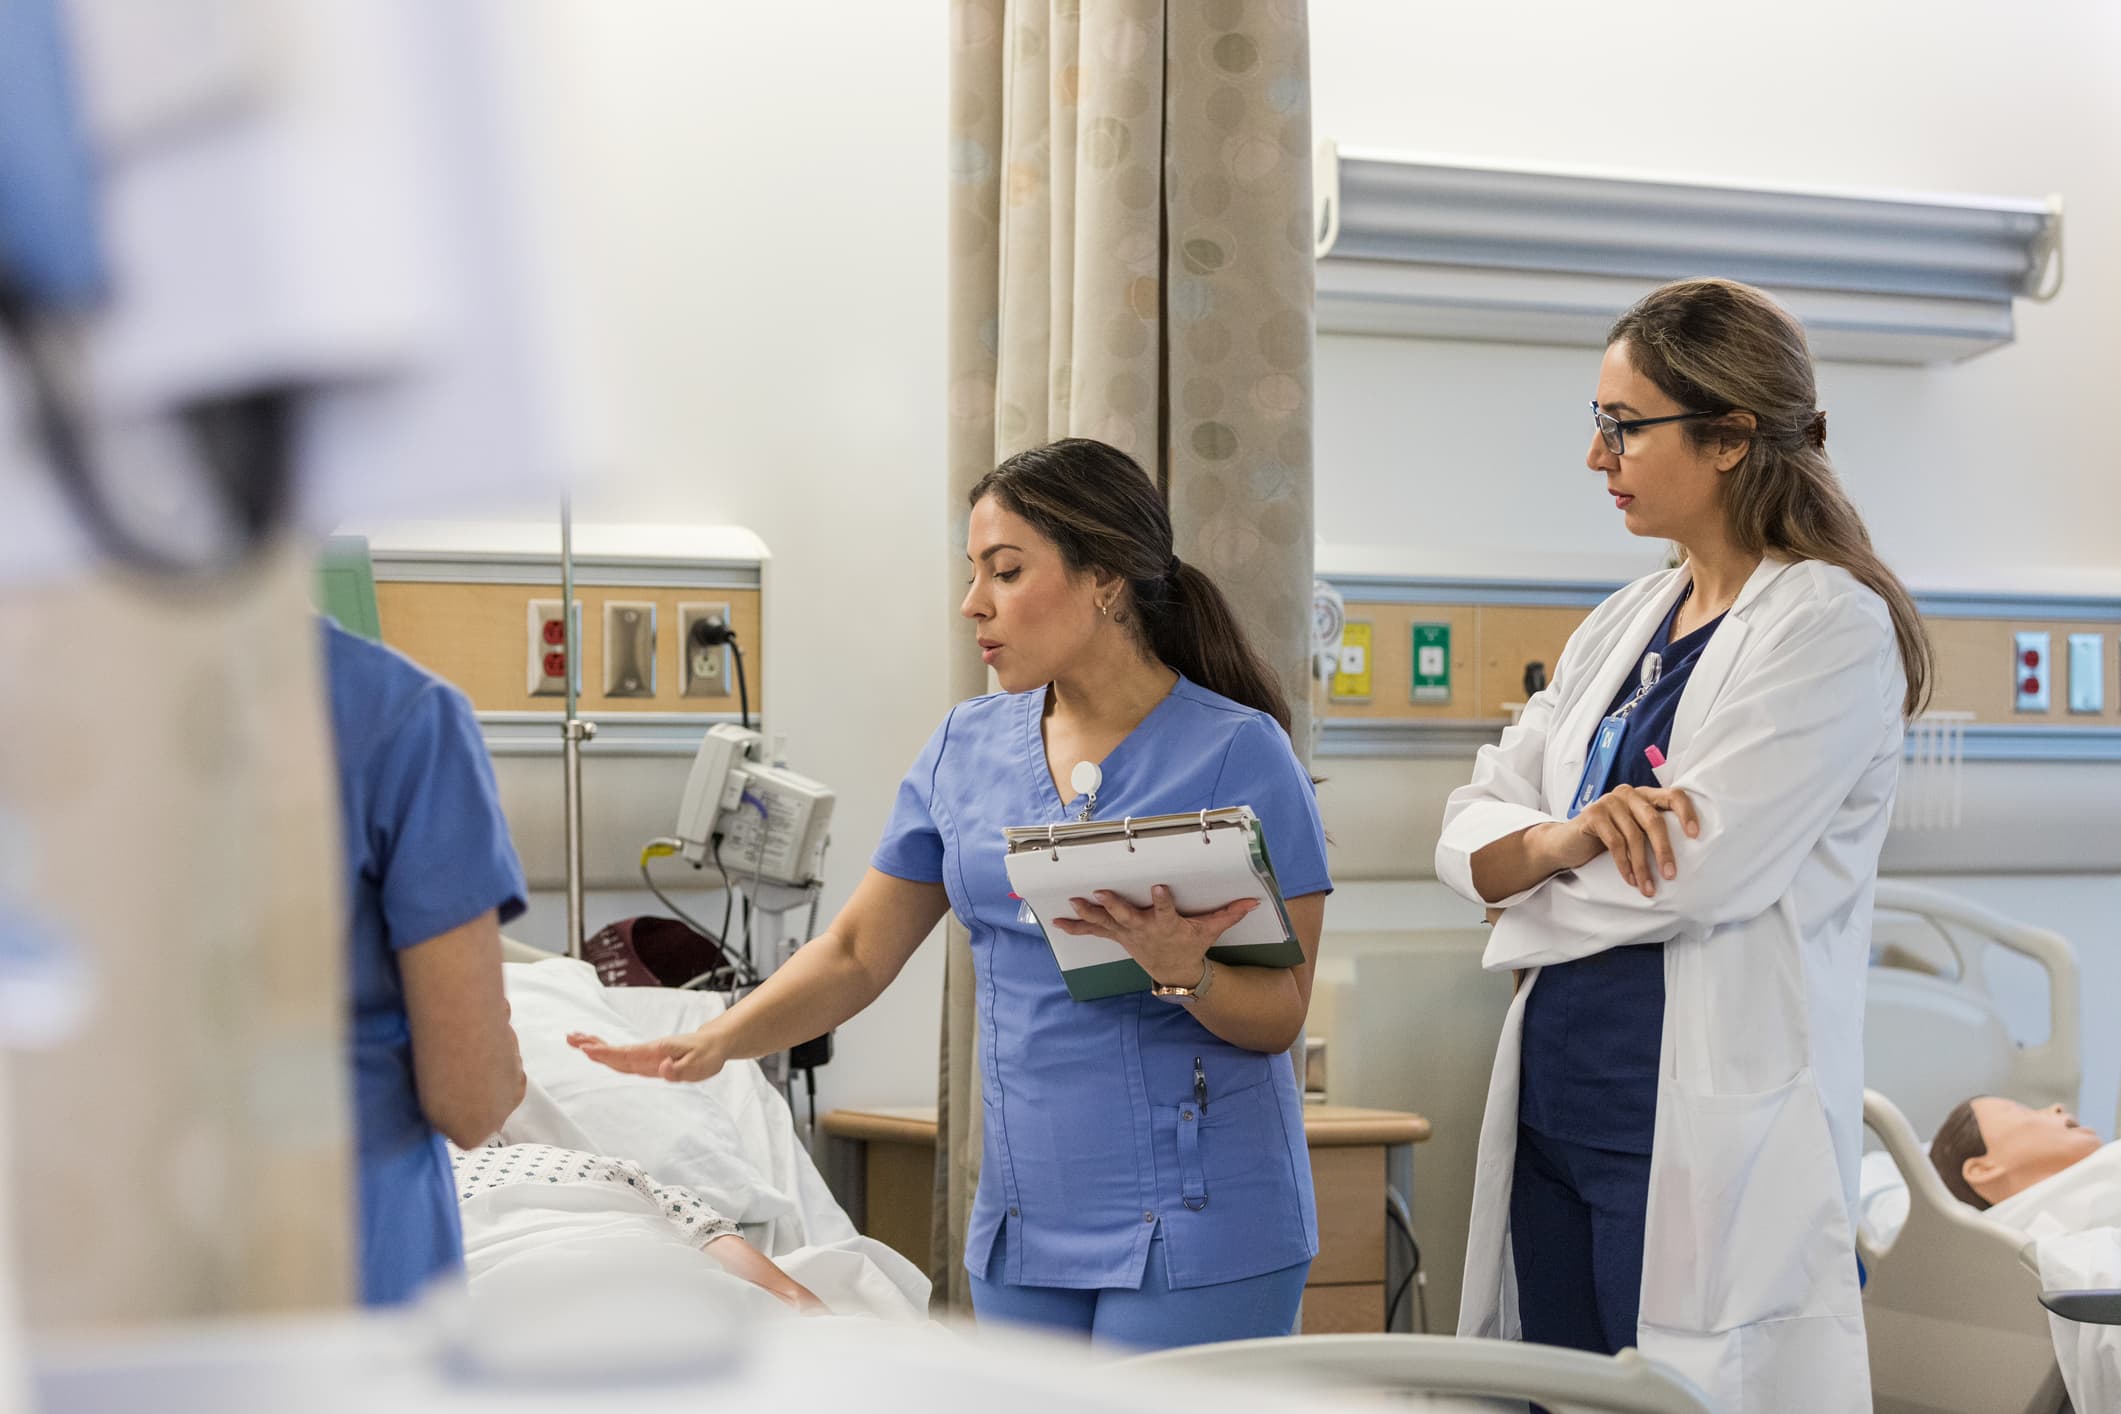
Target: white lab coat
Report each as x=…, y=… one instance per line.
x=1788, y=740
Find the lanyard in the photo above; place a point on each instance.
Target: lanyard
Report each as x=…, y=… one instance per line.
x=1606, y=745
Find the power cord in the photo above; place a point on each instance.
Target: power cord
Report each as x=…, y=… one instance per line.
x=1416, y=1279
x=740, y=968
x=707, y=633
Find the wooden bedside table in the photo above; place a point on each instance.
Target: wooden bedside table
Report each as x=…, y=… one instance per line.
x=1357, y=1156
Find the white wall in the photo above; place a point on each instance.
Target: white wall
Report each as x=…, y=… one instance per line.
x=1995, y=473
x=754, y=197
x=1998, y=473
x=757, y=201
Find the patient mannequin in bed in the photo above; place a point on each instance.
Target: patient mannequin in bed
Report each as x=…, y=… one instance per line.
x=2024, y=1165
x=496, y=1165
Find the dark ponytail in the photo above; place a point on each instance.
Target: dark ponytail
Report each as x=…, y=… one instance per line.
x=1097, y=505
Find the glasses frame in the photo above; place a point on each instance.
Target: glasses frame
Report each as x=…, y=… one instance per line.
x=1614, y=431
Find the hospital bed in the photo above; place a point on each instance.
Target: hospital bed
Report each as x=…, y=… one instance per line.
x=1443, y=1373
x=1954, y=1314
x=731, y=1139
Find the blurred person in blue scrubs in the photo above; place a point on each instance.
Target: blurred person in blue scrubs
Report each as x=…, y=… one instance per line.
x=1145, y=1181
x=431, y=877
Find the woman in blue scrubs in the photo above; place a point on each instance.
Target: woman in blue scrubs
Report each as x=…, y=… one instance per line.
x=430, y=879
x=1145, y=1180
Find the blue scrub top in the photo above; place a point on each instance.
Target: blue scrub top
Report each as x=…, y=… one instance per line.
x=1086, y=1101
x=427, y=850
x=1593, y=1027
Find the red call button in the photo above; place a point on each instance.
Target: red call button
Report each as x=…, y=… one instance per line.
x=2032, y=657
x=2030, y=686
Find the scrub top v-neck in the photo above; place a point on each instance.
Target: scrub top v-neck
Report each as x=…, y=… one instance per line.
x=1593, y=1026
x=1094, y=1141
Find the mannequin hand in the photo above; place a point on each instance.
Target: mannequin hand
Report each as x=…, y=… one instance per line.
x=1627, y=823
x=1170, y=946
x=696, y=1055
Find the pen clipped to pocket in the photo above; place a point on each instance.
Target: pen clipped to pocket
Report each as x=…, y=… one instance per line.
x=1659, y=767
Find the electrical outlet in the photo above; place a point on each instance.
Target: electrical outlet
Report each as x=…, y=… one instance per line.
x=629, y=648
x=547, y=649
x=703, y=669
x=2032, y=668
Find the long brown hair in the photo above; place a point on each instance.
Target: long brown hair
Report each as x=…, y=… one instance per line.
x=1101, y=509
x=1718, y=346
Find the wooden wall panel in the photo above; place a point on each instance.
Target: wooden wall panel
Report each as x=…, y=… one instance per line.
x=1974, y=663
x=1974, y=670
x=476, y=636
x=1511, y=638
x=1392, y=663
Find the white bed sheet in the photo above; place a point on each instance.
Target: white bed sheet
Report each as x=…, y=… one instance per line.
x=730, y=1139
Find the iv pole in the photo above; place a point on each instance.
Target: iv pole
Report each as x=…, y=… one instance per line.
x=573, y=732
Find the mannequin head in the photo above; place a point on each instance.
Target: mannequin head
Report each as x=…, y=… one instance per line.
x=1990, y=1148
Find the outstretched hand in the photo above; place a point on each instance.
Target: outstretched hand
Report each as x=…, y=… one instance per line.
x=1171, y=946
x=692, y=1056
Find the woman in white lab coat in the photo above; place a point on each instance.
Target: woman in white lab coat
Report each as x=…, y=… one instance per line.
x=1678, y=843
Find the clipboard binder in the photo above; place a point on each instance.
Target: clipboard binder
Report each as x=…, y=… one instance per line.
x=1207, y=858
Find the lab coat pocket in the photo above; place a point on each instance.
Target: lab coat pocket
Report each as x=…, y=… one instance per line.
x=1746, y=1217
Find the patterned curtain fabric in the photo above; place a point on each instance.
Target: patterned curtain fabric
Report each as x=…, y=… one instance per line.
x=1131, y=260
x=167, y=803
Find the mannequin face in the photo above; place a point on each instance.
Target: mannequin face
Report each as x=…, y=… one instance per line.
x=2024, y=1146
x=1036, y=617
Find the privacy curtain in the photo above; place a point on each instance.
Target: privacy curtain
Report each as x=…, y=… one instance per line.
x=1131, y=260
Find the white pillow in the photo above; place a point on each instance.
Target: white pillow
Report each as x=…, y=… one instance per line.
x=703, y=1136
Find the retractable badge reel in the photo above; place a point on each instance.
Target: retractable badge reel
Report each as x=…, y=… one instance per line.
x=1606, y=745
x=1086, y=778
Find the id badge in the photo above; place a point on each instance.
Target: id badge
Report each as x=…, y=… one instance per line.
x=1604, y=747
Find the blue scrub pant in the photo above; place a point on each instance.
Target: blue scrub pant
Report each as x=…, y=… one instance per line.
x=1153, y=1317
x=1576, y=1220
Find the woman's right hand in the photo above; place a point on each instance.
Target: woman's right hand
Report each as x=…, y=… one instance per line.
x=696, y=1055
x=1628, y=823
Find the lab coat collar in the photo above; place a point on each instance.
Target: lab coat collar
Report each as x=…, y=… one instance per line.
x=1622, y=657
x=1705, y=682
x=1714, y=665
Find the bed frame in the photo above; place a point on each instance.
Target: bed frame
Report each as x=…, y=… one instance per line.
x=1953, y=1309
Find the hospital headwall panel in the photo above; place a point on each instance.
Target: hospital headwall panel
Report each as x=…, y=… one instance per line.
x=477, y=636
x=1491, y=644
x=2036, y=789
x=457, y=600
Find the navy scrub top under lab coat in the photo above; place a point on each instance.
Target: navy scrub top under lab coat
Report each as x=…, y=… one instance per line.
x=427, y=851
x=1592, y=1027
x=1092, y=1145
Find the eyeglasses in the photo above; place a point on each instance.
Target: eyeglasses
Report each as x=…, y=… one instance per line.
x=1614, y=432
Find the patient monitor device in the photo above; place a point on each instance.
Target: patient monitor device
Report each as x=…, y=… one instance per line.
x=772, y=822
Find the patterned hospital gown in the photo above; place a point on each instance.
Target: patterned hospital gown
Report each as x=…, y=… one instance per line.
x=497, y=1165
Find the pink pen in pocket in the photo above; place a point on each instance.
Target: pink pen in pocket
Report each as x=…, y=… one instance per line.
x=1657, y=767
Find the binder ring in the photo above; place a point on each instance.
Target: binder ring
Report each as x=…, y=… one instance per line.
x=1052, y=843
x=1127, y=828
x=1204, y=827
